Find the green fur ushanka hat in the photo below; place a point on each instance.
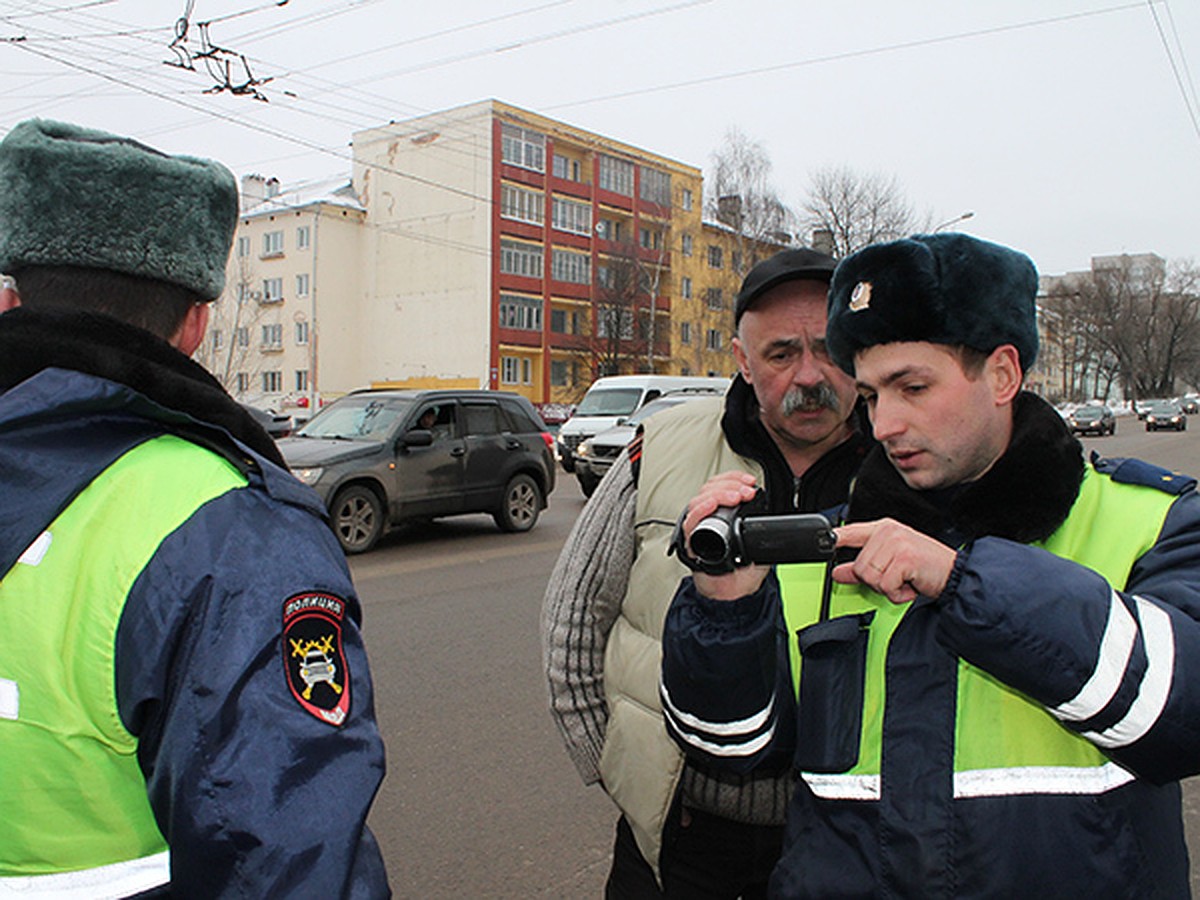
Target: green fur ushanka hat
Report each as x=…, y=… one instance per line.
x=71, y=196
x=942, y=288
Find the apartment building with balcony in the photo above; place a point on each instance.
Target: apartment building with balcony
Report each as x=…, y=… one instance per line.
x=500, y=242
x=292, y=281
x=482, y=246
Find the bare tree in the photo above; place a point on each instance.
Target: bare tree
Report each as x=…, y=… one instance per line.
x=227, y=349
x=856, y=209
x=620, y=285
x=1136, y=316
x=741, y=197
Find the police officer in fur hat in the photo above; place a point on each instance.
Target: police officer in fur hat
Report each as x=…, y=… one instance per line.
x=996, y=694
x=185, y=702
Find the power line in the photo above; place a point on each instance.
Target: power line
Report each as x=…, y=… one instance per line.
x=849, y=54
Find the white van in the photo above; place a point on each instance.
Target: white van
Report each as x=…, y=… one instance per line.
x=614, y=397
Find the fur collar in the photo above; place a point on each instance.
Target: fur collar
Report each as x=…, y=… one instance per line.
x=33, y=340
x=1024, y=497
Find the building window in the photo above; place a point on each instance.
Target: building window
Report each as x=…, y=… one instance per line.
x=560, y=372
x=568, y=215
x=302, y=333
x=272, y=337
x=521, y=259
x=522, y=147
x=273, y=243
x=650, y=238
x=609, y=230
x=303, y=237
x=616, y=175
x=735, y=260
x=685, y=245
x=714, y=299
x=524, y=313
x=564, y=322
x=716, y=257
x=516, y=370
x=607, y=318
x=243, y=336
x=712, y=340
x=566, y=265
x=302, y=379
x=216, y=339
x=567, y=168
x=302, y=285
x=685, y=288
x=522, y=205
x=655, y=187
x=243, y=382
x=685, y=200
x=272, y=290
x=243, y=246
x=272, y=382
x=685, y=332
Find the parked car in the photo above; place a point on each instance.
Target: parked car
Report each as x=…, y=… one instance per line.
x=277, y=425
x=595, y=456
x=1092, y=419
x=383, y=457
x=612, y=398
x=1165, y=414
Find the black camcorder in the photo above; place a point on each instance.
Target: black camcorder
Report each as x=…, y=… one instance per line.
x=731, y=537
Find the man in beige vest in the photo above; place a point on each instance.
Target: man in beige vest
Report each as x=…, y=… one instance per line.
x=787, y=419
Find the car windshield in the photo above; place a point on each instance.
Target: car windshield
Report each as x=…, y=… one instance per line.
x=357, y=418
x=1162, y=407
x=609, y=402
x=1088, y=412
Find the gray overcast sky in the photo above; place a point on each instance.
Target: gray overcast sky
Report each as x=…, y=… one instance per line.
x=1066, y=126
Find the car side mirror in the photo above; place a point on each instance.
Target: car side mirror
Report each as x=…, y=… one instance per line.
x=416, y=437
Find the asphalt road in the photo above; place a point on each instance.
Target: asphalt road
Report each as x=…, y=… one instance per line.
x=480, y=799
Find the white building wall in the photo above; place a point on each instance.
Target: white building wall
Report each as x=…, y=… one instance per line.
x=426, y=185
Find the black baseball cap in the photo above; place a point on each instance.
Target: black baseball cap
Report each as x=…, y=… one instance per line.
x=787, y=265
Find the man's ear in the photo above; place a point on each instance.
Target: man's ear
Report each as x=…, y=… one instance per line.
x=1003, y=370
x=9, y=298
x=191, y=331
x=739, y=356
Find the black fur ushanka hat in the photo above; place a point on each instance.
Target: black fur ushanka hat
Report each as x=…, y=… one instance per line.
x=942, y=288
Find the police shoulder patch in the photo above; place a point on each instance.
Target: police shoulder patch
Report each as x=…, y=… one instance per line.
x=313, y=662
x=1136, y=471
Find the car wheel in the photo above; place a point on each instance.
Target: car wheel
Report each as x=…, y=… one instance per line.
x=568, y=464
x=520, y=505
x=357, y=518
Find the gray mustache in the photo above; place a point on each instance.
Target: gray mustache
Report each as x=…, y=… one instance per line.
x=810, y=399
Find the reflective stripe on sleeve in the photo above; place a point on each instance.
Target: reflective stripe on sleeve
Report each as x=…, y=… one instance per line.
x=1159, y=639
x=100, y=883
x=1116, y=647
x=741, y=728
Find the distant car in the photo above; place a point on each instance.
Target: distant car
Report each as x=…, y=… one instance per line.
x=595, y=456
x=1191, y=405
x=1092, y=419
x=374, y=466
x=1165, y=414
x=277, y=425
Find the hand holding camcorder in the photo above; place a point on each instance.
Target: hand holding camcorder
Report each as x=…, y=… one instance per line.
x=730, y=538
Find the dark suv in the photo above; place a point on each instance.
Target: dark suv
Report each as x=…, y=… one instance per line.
x=378, y=458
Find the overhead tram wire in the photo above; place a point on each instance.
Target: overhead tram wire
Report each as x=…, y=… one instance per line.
x=849, y=54
x=1189, y=99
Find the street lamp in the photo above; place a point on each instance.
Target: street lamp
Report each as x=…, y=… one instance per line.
x=959, y=218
